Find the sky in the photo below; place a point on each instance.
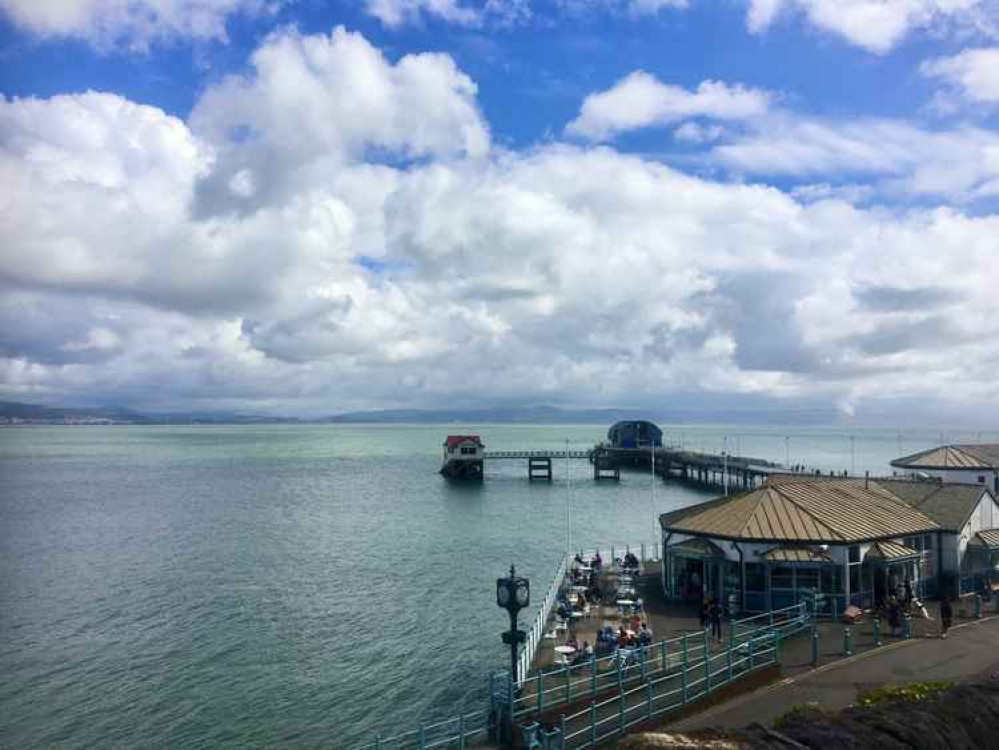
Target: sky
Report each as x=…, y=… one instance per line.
x=306, y=207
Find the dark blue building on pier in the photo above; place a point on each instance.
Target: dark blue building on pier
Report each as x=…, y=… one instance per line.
x=635, y=434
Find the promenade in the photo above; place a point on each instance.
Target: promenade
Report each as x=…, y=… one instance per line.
x=969, y=654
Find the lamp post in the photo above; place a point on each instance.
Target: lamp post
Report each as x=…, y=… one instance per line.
x=513, y=593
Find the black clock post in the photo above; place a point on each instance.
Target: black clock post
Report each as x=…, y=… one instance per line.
x=513, y=593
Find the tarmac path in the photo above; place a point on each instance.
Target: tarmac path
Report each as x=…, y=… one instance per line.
x=969, y=654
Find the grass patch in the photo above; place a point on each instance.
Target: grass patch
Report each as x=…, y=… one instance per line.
x=912, y=692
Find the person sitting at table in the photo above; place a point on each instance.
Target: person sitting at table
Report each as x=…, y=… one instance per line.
x=644, y=635
x=623, y=641
x=597, y=562
x=579, y=558
x=572, y=643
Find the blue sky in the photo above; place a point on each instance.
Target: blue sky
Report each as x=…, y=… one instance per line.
x=297, y=206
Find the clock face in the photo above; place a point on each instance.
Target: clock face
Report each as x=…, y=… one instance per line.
x=523, y=595
x=502, y=594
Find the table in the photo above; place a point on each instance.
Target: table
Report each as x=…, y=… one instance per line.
x=580, y=589
x=625, y=603
x=566, y=650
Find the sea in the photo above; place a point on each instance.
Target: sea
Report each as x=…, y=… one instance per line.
x=300, y=586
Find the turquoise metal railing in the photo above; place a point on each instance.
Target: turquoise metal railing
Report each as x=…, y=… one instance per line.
x=622, y=689
x=548, y=689
x=613, y=715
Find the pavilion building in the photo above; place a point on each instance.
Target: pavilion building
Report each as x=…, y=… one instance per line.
x=976, y=463
x=832, y=542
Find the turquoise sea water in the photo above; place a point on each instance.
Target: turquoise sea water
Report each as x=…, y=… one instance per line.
x=294, y=586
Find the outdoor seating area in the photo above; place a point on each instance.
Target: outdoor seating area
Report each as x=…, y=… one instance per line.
x=600, y=610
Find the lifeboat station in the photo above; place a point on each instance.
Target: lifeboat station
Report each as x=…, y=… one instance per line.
x=832, y=542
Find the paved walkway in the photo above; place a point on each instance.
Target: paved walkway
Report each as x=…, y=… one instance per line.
x=970, y=653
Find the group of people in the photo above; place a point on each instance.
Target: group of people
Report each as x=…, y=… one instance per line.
x=638, y=634
x=711, y=616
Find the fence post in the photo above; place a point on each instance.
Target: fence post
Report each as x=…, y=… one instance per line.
x=776, y=637
x=423, y=736
x=847, y=642
x=461, y=731
x=877, y=631
x=643, y=554
x=539, y=685
x=907, y=627
x=707, y=663
x=663, y=656
x=815, y=647
x=620, y=712
x=561, y=731
x=648, y=697
x=978, y=606
x=568, y=684
x=728, y=658
x=593, y=676
x=683, y=669
x=593, y=723
x=749, y=647
x=378, y=742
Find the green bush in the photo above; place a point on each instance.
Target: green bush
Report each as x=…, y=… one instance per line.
x=799, y=711
x=912, y=692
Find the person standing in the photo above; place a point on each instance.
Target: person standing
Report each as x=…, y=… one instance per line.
x=946, y=616
x=716, y=620
x=893, y=615
x=705, y=613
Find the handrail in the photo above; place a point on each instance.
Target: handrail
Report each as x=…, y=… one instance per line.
x=660, y=679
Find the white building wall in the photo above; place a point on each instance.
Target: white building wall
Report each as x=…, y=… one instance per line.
x=984, y=516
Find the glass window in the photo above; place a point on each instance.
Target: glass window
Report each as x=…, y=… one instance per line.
x=755, y=577
x=855, y=585
x=781, y=578
x=832, y=579
x=808, y=578
x=855, y=553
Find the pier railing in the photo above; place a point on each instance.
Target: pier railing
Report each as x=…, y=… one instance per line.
x=537, y=629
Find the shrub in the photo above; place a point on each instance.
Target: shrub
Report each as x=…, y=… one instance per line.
x=912, y=692
x=799, y=711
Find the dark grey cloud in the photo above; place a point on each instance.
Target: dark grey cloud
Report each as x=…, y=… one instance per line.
x=902, y=299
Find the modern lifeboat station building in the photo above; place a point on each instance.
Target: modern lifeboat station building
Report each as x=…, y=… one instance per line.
x=832, y=542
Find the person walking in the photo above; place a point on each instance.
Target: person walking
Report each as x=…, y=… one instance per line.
x=946, y=616
x=893, y=615
x=716, y=620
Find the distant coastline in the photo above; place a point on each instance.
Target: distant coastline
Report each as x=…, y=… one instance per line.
x=14, y=413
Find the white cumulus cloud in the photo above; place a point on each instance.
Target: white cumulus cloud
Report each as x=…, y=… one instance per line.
x=640, y=100
x=134, y=23
x=878, y=25
x=973, y=72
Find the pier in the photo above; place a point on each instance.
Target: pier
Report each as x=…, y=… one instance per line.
x=465, y=457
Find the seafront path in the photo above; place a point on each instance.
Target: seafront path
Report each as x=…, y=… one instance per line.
x=969, y=654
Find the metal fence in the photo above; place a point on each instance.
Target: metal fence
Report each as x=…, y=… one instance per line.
x=548, y=689
x=619, y=691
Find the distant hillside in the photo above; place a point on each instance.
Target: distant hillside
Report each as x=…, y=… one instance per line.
x=12, y=412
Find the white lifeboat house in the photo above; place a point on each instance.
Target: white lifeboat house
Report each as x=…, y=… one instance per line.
x=463, y=457
x=966, y=464
x=832, y=542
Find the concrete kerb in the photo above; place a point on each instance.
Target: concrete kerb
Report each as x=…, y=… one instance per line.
x=845, y=662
